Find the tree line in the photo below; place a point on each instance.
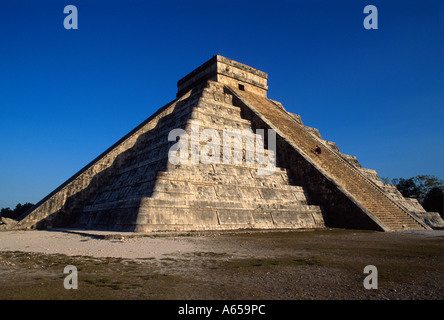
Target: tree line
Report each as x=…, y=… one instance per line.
x=427, y=189
x=17, y=212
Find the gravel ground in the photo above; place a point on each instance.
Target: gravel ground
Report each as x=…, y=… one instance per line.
x=308, y=265
x=94, y=244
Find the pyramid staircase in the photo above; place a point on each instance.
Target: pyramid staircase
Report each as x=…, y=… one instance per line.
x=369, y=196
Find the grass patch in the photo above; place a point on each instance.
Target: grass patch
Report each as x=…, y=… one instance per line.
x=269, y=263
x=40, y=276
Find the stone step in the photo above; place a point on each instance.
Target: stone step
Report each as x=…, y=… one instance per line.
x=224, y=169
x=219, y=174
x=219, y=126
x=214, y=107
x=207, y=116
x=211, y=215
x=202, y=192
x=169, y=181
x=228, y=204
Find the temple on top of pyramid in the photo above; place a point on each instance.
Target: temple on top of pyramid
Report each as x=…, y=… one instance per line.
x=226, y=71
x=135, y=186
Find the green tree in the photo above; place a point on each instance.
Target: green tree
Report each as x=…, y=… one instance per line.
x=407, y=187
x=6, y=212
x=434, y=201
x=419, y=186
x=20, y=209
x=17, y=212
x=428, y=182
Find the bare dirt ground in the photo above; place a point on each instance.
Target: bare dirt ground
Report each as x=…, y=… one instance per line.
x=278, y=265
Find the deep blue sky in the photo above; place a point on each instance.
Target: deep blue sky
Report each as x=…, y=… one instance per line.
x=67, y=95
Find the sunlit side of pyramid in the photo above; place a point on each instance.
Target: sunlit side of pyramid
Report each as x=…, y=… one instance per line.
x=134, y=185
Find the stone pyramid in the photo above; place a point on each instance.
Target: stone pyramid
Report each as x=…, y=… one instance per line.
x=172, y=172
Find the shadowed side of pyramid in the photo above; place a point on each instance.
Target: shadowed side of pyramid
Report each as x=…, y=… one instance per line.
x=115, y=181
